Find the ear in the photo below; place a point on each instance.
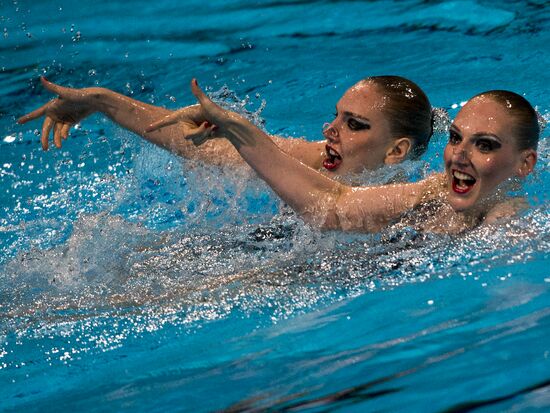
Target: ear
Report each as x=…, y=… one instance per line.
x=398, y=151
x=527, y=163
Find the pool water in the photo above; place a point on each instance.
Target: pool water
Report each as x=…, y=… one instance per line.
x=132, y=280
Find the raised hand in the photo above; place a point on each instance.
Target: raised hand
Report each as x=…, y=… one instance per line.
x=197, y=125
x=63, y=112
x=224, y=122
x=205, y=121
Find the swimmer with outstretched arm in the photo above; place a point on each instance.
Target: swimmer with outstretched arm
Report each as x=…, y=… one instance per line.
x=379, y=120
x=492, y=140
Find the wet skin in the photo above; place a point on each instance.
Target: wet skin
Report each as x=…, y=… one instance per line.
x=482, y=154
x=359, y=137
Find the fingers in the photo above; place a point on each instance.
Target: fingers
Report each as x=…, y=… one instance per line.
x=65, y=130
x=201, y=134
x=185, y=113
x=189, y=114
x=196, y=134
x=46, y=128
x=33, y=115
x=56, y=89
x=41, y=111
x=213, y=112
x=57, y=134
x=167, y=121
x=60, y=131
x=62, y=92
x=199, y=94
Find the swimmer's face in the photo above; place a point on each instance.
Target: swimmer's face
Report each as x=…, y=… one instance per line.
x=359, y=136
x=482, y=153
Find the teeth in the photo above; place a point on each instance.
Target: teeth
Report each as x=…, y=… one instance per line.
x=462, y=176
x=332, y=152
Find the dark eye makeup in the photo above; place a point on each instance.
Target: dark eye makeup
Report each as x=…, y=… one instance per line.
x=482, y=142
x=356, y=125
x=353, y=123
x=487, y=144
x=454, y=137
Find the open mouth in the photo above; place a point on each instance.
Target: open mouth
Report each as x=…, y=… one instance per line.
x=462, y=182
x=333, y=159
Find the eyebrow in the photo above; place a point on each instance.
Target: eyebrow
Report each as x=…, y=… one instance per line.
x=486, y=134
x=478, y=134
x=355, y=115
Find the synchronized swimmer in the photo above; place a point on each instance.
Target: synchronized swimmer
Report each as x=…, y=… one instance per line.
x=380, y=120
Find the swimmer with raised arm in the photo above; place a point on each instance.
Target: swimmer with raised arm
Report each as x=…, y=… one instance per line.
x=380, y=120
x=493, y=140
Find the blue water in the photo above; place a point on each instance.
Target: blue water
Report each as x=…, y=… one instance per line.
x=132, y=280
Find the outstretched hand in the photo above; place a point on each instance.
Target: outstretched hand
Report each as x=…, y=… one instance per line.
x=207, y=129
x=61, y=113
x=228, y=124
x=217, y=122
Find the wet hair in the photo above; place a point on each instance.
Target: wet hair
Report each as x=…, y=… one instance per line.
x=526, y=127
x=408, y=110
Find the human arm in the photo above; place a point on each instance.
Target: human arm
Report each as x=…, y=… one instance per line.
x=163, y=127
x=311, y=153
x=73, y=105
x=317, y=198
